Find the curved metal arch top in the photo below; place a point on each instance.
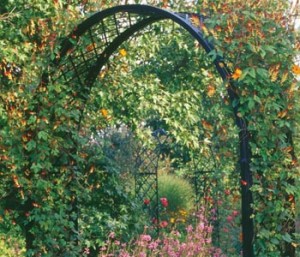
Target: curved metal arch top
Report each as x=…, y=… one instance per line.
x=106, y=30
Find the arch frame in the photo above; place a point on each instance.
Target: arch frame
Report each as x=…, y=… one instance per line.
x=184, y=20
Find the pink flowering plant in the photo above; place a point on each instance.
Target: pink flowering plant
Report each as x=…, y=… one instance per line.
x=195, y=241
x=229, y=222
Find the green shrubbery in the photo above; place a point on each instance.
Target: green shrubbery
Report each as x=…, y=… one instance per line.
x=178, y=191
x=180, y=196
x=11, y=246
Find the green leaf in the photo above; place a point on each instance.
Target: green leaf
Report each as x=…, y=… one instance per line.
x=43, y=135
x=287, y=238
x=31, y=145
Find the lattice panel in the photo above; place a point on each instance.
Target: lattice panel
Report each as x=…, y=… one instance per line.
x=89, y=49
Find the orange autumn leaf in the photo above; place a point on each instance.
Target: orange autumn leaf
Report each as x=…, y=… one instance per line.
x=291, y=198
x=16, y=181
x=196, y=20
x=207, y=125
x=296, y=69
x=90, y=47
x=294, y=162
x=211, y=90
x=287, y=149
x=282, y=114
x=237, y=74
x=104, y=112
x=218, y=28
x=8, y=74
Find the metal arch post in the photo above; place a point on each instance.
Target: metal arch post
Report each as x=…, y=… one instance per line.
x=245, y=176
x=247, y=199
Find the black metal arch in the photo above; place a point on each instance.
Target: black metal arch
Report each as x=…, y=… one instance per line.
x=155, y=14
x=80, y=61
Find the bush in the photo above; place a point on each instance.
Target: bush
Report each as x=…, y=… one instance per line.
x=179, y=194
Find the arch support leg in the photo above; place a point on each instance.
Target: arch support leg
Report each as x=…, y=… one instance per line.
x=247, y=199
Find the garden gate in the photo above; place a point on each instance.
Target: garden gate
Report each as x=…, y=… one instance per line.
x=88, y=48
x=146, y=175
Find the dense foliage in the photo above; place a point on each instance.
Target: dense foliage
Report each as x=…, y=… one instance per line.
x=55, y=183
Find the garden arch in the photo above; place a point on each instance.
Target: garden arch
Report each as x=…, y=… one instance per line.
x=87, y=49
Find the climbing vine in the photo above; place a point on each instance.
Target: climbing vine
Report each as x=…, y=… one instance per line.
x=40, y=158
x=257, y=40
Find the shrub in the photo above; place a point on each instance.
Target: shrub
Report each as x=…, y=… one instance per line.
x=178, y=192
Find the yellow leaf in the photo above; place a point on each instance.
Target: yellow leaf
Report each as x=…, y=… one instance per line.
x=92, y=169
x=221, y=64
x=284, y=76
x=102, y=74
x=123, y=52
x=273, y=72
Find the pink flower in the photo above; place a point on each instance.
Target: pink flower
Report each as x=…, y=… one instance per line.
x=153, y=245
x=164, y=202
x=146, y=201
x=146, y=238
x=227, y=192
x=163, y=224
x=124, y=254
x=176, y=233
x=208, y=240
x=235, y=213
x=189, y=228
x=229, y=218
